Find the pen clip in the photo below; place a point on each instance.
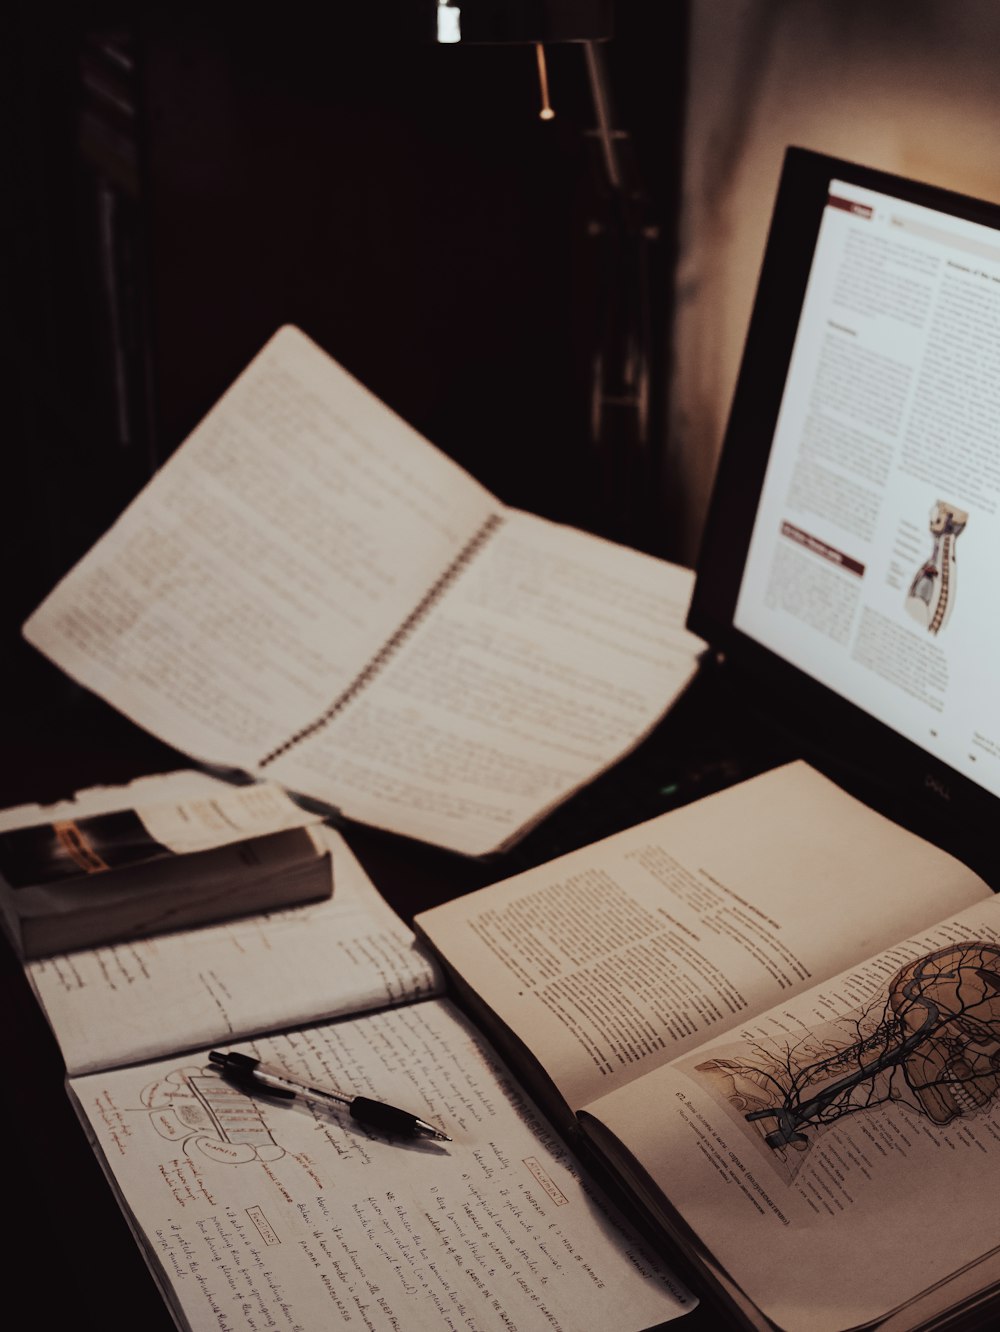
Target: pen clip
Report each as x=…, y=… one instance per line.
x=241, y=1071
x=247, y=1082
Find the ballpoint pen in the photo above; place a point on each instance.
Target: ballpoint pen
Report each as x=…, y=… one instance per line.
x=254, y=1076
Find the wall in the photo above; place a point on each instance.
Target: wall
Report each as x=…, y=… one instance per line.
x=912, y=88
x=191, y=176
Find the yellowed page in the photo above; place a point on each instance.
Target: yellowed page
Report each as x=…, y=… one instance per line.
x=261, y=1214
x=310, y=591
x=839, y=1155
x=265, y=564
x=179, y=991
x=620, y=956
x=549, y=655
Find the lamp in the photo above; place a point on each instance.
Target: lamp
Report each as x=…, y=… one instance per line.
x=523, y=21
x=619, y=232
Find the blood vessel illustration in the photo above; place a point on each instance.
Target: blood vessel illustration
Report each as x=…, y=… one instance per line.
x=935, y=1045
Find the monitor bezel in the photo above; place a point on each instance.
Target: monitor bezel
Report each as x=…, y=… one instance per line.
x=839, y=736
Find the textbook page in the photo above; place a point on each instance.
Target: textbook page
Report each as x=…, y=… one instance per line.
x=853, y=1130
x=265, y=564
x=127, y=1002
x=549, y=656
x=253, y=1213
x=618, y=957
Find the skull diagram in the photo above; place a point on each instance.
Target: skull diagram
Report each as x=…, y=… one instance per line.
x=950, y=999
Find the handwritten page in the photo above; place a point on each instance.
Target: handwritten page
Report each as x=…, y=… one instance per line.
x=620, y=956
x=268, y=560
x=548, y=657
x=255, y=1214
x=183, y=990
x=309, y=591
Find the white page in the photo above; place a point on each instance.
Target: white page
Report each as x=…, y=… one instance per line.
x=264, y=1214
x=550, y=654
x=184, y=990
x=621, y=955
x=267, y=561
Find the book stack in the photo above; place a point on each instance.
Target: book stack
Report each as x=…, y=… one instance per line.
x=163, y=853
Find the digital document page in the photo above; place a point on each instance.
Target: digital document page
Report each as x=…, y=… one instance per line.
x=870, y=564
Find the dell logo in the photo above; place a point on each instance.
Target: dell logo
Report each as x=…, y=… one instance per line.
x=936, y=785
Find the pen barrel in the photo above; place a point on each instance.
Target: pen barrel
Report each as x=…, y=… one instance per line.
x=385, y=1118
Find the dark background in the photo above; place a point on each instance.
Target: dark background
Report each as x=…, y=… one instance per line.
x=188, y=177
x=183, y=179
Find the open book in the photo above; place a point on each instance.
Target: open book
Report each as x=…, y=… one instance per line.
x=310, y=592
x=775, y=1017
x=254, y=1213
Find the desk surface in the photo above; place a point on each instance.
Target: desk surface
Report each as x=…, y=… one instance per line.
x=65, y=1225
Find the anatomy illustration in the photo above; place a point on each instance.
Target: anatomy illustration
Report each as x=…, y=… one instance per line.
x=931, y=1041
x=932, y=592
x=199, y=1110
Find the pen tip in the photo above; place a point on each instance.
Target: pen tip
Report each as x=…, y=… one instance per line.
x=425, y=1130
x=215, y=1057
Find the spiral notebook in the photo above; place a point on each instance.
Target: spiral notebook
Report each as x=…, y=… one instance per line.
x=311, y=592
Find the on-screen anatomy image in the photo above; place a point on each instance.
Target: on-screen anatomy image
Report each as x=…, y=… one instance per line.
x=931, y=595
x=929, y=1041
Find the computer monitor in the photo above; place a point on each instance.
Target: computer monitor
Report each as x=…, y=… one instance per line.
x=849, y=567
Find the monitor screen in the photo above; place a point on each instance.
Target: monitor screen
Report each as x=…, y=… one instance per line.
x=849, y=555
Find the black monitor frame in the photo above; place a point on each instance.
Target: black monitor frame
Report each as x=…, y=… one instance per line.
x=839, y=737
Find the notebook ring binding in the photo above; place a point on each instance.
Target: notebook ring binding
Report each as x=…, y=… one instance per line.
x=393, y=643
